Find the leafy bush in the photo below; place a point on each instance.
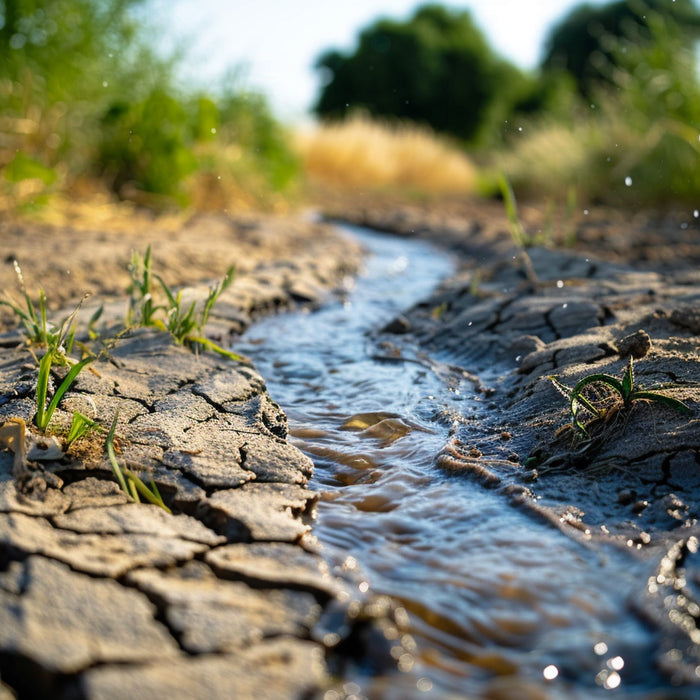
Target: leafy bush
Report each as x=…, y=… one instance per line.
x=635, y=142
x=83, y=93
x=147, y=145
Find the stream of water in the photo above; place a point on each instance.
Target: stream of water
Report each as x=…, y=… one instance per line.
x=500, y=604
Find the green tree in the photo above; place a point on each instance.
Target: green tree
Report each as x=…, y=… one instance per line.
x=435, y=68
x=585, y=44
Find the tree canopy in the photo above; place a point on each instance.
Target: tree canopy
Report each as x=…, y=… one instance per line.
x=436, y=68
x=585, y=43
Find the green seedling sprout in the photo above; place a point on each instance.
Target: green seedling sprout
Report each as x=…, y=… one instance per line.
x=44, y=412
x=80, y=426
x=139, y=269
x=516, y=228
x=36, y=327
x=625, y=390
x=128, y=481
x=184, y=324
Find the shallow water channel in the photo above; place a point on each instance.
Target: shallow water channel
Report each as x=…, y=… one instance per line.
x=500, y=604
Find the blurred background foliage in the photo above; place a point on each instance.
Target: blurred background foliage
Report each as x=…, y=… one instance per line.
x=87, y=102
x=612, y=113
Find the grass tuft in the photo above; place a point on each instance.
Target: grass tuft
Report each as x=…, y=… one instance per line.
x=598, y=396
x=184, y=322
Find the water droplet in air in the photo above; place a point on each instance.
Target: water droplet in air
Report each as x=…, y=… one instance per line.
x=696, y=213
x=628, y=181
x=586, y=212
x=105, y=83
x=560, y=284
x=424, y=684
x=617, y=663
x=550, y=672
x=600, y=648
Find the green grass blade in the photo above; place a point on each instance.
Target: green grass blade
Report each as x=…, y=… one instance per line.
x=109, y=446
x=561, y=388
x=133, y=491
x=63, y=388
x=628, y=382
x=516, y=228
x=663, y=399
x=42, y=388
x=80, y=425
x=608, y=379
x=92, y=323
x=141, y=488
x=146, y=284
x=168, y=293
x=216, y=292
x=211, y=345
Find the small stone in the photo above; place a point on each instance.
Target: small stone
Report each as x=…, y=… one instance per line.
x=397, y=326
x=636, y=344
x=687, y=317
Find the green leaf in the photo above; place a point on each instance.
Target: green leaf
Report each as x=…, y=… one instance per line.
x=109, y=446
x=63, y=388
x=665, y=400
x=42, y=388
x=211, y=345
x=140, y=488
x=628, y=382
x=80, y=425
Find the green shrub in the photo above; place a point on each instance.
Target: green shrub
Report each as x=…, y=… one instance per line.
x=147, y=146
x=635, y=143
x=84, y=93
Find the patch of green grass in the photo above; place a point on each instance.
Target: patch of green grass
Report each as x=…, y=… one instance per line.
x=184, y=322
x=56, y=342
x=80, y=426
x=597, y=396
x=36, y=326
x=130, y=482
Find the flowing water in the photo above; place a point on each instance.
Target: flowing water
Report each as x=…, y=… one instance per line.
x=500, y=605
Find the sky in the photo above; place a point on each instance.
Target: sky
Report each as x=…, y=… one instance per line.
x=273, y=44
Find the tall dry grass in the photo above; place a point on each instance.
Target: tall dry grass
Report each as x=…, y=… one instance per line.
x=371, y=153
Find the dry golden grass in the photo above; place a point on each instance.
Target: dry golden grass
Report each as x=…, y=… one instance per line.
x=364, y=152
